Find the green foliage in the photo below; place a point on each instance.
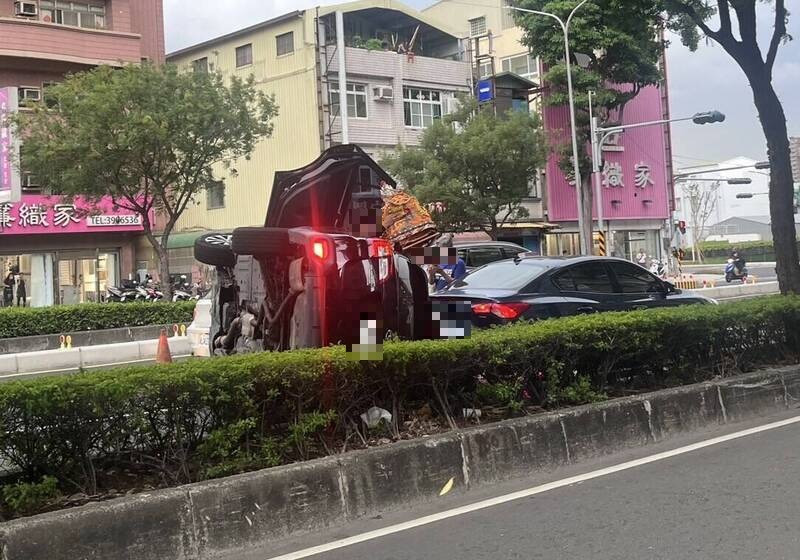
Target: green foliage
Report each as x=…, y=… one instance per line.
x=63, y=319
x=24, y=498
x=507, y=394
x=374, y=45
x=192, y=420
x=578, y=393
x=480, y=170
x=149, y=136
x=237, y=448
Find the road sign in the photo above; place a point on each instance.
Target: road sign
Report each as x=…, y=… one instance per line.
x=485, y=91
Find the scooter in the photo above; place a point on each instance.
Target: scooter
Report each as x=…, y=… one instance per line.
x=733, y=272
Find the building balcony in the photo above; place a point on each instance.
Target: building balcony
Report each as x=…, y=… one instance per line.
x=389, y=64
x=48, y=41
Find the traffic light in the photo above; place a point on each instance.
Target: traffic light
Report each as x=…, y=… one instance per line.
x=708, y=117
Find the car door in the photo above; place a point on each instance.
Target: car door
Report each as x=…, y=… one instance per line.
x=586, y=288
x=638, y=288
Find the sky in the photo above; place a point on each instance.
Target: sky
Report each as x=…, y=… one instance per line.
x=705, y=80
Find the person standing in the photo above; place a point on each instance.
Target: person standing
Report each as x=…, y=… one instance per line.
x=8, y=289
x=21, y=291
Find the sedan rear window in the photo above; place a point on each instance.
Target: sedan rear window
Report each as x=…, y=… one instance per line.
x=502, y=275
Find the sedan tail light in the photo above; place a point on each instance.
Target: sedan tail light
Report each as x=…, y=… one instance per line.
x=382, y=249
x=320, y=250
x=509, y=311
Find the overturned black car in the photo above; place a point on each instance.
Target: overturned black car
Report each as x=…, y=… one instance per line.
x=318, y=272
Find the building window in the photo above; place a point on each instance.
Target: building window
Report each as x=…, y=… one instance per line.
x=485, y=70
x=200, y=65
x=244, y=55
x=477, y=26
x=285, y=43
x=215, y=195
x=76, y=14
x=508, y=16
x=421, y=106
x=28, y=95
x=356, y=100
x=524, y=65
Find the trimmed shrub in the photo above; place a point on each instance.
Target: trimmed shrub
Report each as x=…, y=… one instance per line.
x=60, y=319
x=185, y=421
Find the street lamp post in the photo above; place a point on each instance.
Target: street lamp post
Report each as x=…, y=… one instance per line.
x=599, y=135
x=585, y=250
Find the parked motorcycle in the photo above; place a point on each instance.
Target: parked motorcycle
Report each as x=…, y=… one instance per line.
x=125, y=293
x=658, y=268
x=735, y=271
x=182, y=295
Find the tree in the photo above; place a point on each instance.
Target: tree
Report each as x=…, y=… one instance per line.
x=702, y=203
x=616, y=42
x=147, y=136
x=475, y=166
x=689, y=18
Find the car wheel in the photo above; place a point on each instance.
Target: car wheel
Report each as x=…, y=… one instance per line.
x=214, y=249
x=261, y=241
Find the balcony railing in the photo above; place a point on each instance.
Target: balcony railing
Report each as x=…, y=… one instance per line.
x=35, y=39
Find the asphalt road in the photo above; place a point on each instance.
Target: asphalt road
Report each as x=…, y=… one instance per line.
x=764, y=272
x=737, y=499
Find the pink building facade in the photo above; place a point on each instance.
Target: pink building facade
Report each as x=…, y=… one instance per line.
x=636, y=181
x=40, y=42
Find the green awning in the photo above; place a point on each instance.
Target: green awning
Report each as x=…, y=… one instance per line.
x=183, y=240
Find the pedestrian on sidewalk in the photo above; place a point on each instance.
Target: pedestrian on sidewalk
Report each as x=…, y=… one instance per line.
x=21, y=291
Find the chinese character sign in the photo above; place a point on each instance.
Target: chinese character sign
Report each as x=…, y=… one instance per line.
x=36, y=214
x=634, y=175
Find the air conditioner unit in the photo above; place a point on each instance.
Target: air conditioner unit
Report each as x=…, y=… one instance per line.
x=30, y=94
x=27, y=9
x=385, y=93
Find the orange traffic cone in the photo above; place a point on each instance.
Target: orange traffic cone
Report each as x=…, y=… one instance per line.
x=163, y=355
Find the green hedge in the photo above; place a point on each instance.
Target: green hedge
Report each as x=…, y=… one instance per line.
x=186, y=421
x=27, y=321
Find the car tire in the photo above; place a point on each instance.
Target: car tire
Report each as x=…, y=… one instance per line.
x=261, y=241
x=215, y=249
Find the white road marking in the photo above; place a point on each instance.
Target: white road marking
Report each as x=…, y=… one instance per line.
x=499, y=500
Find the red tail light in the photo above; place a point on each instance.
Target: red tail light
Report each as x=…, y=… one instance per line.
x=380, y=248
x=481, y=308
x=320, y=249
x=507, y=311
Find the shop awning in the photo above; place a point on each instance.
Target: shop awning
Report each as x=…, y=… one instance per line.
x=183, y=240
x=530, y=225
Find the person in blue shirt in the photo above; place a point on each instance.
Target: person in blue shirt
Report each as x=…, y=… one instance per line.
x=451, y=267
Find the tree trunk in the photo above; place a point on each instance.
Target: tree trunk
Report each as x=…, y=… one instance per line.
x=163, y=261
x=781, y=190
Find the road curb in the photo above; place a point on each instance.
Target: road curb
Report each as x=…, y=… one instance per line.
x=204, y=520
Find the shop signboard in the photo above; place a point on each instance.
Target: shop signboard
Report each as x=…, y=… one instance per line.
x=37, y=214
x=634, y=178
x=9, y=174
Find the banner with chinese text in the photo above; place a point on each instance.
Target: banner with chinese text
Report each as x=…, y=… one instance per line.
x=9, y=175
x=36, y=214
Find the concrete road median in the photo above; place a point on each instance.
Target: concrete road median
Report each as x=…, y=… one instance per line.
x=54, y=362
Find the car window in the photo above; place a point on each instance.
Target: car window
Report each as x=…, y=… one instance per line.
x=588, y=277
x=479, y=256
x=502, y=275
x=511, y=252
x=634, y=279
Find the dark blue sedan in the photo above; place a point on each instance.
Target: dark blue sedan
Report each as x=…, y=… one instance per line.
x=530, y=287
